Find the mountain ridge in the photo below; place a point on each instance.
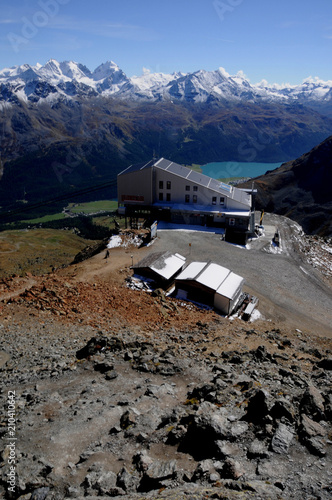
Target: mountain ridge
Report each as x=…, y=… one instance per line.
x=301, y=189
x=200, y=86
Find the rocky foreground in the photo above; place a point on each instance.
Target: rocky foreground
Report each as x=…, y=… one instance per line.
x=219, y=410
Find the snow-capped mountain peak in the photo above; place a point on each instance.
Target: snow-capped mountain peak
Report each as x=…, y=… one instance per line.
x=105, y=70
x=16, y=71
x=51, y=70
x=64, y=71
x=67, y=79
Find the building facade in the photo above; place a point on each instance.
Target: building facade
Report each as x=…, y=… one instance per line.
x=173, y=192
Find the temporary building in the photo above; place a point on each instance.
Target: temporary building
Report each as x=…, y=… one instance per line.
x=162, y=267
x=211, y=284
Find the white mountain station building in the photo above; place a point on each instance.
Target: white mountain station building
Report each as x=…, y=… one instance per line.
x=169, y=191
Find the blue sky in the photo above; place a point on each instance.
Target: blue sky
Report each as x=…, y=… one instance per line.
x=280, y=41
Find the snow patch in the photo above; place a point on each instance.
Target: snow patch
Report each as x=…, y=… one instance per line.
x=255, y=316
x=115, y=242
x=273, y=248
x=124, y=241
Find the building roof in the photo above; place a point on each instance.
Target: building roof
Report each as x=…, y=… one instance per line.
x=191, y=175
x=192, y=270
x=165, y=264
x=231, y=284
x=136, y=167
x=218, y=278
x=196, y=177
x=212, y=275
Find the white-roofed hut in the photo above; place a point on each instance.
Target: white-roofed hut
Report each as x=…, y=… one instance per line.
x=211, y=284
x=161, y=267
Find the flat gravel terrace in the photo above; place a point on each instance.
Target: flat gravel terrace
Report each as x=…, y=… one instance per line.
x=289, y=290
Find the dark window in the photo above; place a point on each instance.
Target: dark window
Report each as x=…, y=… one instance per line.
x=222, y=200
x=214, y=200
x=161, y=184
x=187, y=198
x=187, y=188
x=195, y=198
x=168, y=184
x=195, y=188
x=161, y=196
x=168, y=196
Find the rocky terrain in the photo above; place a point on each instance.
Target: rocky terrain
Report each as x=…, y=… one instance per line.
x=126, y=394
x=205, y=412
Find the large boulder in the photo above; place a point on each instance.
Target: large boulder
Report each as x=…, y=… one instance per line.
x=312, y=404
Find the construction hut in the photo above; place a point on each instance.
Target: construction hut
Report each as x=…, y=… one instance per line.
x=161, y=267
x=211, y=284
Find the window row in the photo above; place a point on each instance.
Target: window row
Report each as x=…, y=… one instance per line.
x=168, y=185
x=221, y=200
x=194, y=198
x=187, y=198
x=161, y=196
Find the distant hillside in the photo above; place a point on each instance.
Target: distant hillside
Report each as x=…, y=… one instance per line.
x=302, y=190
x=48, y=151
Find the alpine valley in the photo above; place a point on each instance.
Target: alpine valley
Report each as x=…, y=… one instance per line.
x=65, y=128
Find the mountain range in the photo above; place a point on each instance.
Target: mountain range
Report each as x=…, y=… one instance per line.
x=64, y=127
x=66, y=80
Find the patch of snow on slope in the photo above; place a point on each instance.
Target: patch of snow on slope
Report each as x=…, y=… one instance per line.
x=115, y=242
x=318, y=253
x=124, y=241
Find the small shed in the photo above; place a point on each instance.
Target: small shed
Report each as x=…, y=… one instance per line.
x=211, y=284
x=161, y=267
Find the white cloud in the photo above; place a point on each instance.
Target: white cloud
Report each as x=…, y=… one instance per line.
x=318, y=81
x=107, y=30
x=241, y=74
x=276, y=86
x=8, y=21
x=223, y=72
x=288, y=24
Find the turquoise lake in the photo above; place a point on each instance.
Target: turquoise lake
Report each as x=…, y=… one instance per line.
x=226, y=169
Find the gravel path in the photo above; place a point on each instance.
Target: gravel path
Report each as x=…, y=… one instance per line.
x=289, y=289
